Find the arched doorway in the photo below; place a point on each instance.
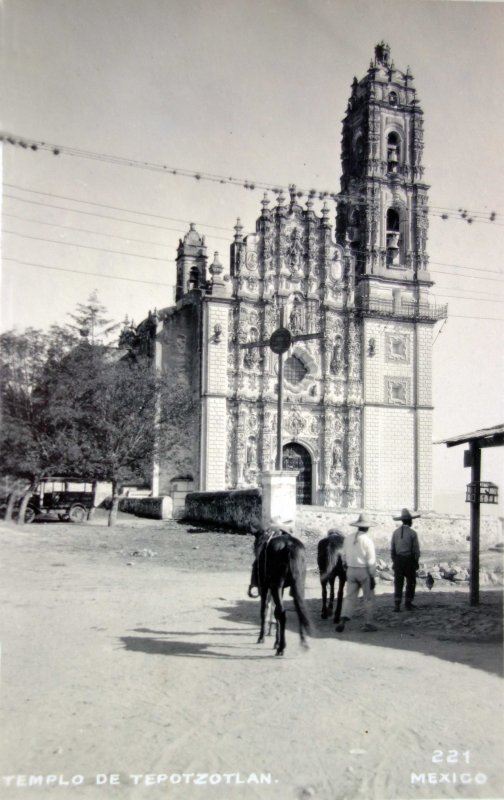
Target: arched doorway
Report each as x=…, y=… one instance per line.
x=296, y=457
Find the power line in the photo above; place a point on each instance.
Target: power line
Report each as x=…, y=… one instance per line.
x=87, y=230
x=171, y=261
x=105, y=216
x=83, y=272
x=169, y=285
x=464, y=316
x=179, y=230
x=87, y=247
x=469, y=299
x=467, y=277
x=114, y=208
x=57, y=150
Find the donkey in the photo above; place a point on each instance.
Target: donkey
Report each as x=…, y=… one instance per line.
x=330, y=566
x=280, y=563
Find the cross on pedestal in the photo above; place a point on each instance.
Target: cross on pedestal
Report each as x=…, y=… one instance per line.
x=280, y=341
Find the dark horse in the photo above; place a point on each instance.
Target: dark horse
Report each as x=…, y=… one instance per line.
x=280, y=563
x=331, y=567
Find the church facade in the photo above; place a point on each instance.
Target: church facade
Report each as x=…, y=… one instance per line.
x=357, y=419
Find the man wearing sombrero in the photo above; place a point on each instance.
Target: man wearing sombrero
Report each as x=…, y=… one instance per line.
x=359, y=558
x=405, y=553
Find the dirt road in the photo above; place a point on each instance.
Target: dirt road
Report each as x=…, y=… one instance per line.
x=130, y=669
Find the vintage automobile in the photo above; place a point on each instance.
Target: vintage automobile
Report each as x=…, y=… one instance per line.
x=61, y=498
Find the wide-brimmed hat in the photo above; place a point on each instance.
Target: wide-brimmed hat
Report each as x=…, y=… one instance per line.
x=286, y=525
x=363, y=521
x=406, y=514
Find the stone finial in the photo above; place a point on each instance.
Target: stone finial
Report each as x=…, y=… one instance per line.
x=238, y=229
x=281, y=198
x=216, y=267
x=382, y=54
x=292, y=192
x=265, y=201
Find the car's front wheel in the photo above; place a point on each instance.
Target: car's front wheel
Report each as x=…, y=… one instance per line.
x=77, y=514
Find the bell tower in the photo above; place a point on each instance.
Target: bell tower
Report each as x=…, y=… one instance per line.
x=383, y=205
x=382, y=218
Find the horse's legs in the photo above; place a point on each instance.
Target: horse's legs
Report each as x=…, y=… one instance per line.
x=331, y=593
x=280, y=618
x=264, y=598
x=339, y=600
x=269, y=613
x=324, y=599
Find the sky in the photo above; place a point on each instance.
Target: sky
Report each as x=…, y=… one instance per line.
x=254, y=90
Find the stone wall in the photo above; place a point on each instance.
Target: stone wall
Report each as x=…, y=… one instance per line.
x=435, y=531
x=238, y=509
x=151, y=507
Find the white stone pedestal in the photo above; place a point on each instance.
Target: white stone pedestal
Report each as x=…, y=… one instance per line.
x=278, y=496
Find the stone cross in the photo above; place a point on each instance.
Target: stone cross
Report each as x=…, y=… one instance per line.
x=280, y=341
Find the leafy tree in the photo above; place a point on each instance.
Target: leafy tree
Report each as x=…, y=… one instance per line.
x=106, y=408
x=28, y=450
x=91, y=323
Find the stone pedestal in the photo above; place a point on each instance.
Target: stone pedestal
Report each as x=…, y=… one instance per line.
x=278, y=496
x=179, y=488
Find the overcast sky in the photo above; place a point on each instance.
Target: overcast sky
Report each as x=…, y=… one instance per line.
x=253, y=90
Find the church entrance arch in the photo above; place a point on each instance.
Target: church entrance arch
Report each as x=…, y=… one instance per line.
x=296, y=457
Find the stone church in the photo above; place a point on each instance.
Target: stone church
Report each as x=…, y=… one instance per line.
x=357, y=413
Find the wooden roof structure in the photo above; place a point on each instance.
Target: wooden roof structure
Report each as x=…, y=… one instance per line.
x=477, y=441
x=486, y=437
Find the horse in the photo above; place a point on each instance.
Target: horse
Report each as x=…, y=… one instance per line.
x=330, y=566
x=280, y=563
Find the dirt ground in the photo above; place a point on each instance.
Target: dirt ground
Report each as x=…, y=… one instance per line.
x=130, y=669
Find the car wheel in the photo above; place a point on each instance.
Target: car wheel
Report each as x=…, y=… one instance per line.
x=77, y=514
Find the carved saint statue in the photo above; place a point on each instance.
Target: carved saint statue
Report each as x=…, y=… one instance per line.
x=251, y=452
x=337, y=355
x=296, y=319
x=295, y=250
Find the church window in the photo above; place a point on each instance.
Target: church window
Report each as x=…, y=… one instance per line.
x=294, y=370
x=392, y=98
x=393, y=151
x=393, y=238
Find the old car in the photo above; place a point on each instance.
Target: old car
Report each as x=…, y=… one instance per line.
x=61, y=498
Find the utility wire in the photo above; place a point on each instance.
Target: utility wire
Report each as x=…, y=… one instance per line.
x=114, y=208
x=170, y=261
x=88, y=230
x=180, y=230
x=86, y=247
x=83, y=272
x=105, y=216
x=57, y=150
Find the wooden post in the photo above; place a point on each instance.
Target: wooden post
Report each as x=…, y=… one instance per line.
x=279, y=451
x=475, y=523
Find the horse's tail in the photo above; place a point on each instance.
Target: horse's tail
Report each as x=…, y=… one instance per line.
x=297, y=568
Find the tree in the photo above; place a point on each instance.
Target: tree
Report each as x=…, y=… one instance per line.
x=91, y=323
x=28, y=450
x=107, y=411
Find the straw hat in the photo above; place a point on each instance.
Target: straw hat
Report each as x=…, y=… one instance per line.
x=287, y=525
x=405, y=514
x=363, y=521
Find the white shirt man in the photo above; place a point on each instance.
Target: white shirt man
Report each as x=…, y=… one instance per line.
x=359, y=557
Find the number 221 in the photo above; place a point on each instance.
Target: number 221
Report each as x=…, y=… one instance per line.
x=451, y=757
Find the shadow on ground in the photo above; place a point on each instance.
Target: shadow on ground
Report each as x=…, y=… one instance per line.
x=444, y=626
